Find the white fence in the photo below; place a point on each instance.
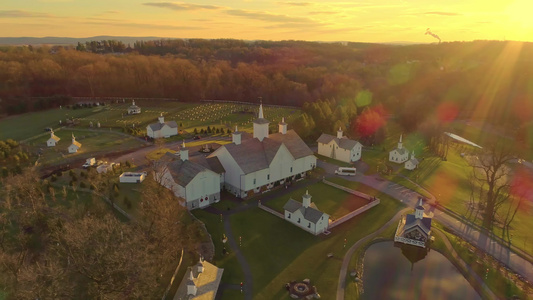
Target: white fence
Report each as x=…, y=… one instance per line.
x=353, y=192
x=353, y=213
x=270, y=210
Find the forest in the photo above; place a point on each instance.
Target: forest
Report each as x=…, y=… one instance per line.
x=489, y=80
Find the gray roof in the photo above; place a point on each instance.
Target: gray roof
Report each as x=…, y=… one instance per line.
x=133, y=107
x=344, y=143
x=211, y=163
x=411, y=221
x=311, y=214
x=297, y=147
x=184, y=171
x=292, y=205
x=253, y=155
x=157, y=126
x=400, y=151
x=414, y=161
x=261, y=121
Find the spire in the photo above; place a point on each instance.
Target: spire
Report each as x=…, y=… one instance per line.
x=73, y=138
x=400, y=142
x=306, y=199
x=236, y=136
x=183, y=144
x=339, y=133
x=282, y=119
x=133, y=102
x=236, y=129
x=184, y=152
x=401, y=137
x=282, y=126
x=419, y=210
x=413, y=154
x=261, y=116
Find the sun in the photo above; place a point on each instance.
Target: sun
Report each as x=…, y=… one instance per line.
x=519, y=12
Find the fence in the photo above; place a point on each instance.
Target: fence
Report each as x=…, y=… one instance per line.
x=353, y=213
x=353, y=192
x=270, y=210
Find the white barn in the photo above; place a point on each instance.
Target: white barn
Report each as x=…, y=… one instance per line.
x=75, y=146
x=162, y=129
x=197, y=181
x=52, y=141
x=255, y=164
x=400, y=154
x=339, y=147
x=134, y=109
x=132, y=177
x=306, y=215
x=412, y=163
x=414, y=229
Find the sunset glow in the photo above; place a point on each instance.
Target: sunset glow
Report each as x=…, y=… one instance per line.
x=366, y=21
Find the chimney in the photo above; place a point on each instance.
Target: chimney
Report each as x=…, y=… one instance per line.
x=236, y=137
x=306, y=199
x=184, y=152
x=161, y=119
x=339, y=133
x=283, y=126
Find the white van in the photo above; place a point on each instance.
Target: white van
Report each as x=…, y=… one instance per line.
x=345, y=171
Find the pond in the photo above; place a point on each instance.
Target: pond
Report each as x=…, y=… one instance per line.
x=391, y=272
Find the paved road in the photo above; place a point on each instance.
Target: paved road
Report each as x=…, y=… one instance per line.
x=472, y=235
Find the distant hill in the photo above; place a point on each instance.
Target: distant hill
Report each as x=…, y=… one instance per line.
x=51, y=40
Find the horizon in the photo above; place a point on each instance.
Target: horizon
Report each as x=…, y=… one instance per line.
x=383, y=21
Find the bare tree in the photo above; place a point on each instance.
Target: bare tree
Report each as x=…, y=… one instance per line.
x=492, y=177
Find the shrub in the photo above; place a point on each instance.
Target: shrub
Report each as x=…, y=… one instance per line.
x=60, y=173
x=71, y=173
x=128, y=164
x=92, y=187
x=53, y=178
x=82, y=185
x=71, y=183
x=127, y=202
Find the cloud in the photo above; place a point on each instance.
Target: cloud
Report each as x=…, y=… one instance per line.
x=22, y=14
x=267, y=17
x=442, y=13
x=144, y=25
x=111, y=12
x=324, y=12
x=181, y=6
x=296, y=3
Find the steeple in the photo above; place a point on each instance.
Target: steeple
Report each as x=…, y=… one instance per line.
x=73, y=138
x=306, y=199
x=161, y=119
x=261, y=125
x=413, y=154
x=184, y=152
x=419, y=210
x=282, y=126
x=400, y=146
x=133, y=103
x=236, y=137
x=339, y=133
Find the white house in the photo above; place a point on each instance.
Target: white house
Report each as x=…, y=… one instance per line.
x=75, y=146
x=412, y=163
x=134, y=109
x=200, y=282
x=104, y=168
x=255, y=164
x=52, y=141
x=132, y=177
x=414, y=229
x=339, y=147
x=162, y=129
x=400, y=154
x=196, y=181
x=306, y=215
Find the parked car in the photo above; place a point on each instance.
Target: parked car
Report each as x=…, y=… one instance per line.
x=197, y=137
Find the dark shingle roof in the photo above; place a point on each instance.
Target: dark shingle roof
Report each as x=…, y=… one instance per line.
x=400, y=151
x=157, y=126
x=211, y=163
x=292, y=205
x=311, y=214
x=344, y=143
x=414, y=161
x=297, y=147
x=411, y=221
x=184, y=171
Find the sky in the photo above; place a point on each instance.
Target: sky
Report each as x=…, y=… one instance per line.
x=357, y=21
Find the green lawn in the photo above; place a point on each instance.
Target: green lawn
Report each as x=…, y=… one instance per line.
x=93, y=143
x=28, y=125
x=279, y=252
x=332, y=161
x=232, y=270
x=328, y=199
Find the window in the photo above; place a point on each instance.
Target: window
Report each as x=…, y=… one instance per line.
x=254, y=181
x=268, y=176
x=298, y=220
x=309, y=225
x=288, y=216
x=291, y=169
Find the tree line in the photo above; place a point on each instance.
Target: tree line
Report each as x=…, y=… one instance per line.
x=482, y=79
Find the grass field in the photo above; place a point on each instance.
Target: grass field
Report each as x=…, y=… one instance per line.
x=279, y=252
x=93, y=143
x=335, y=202
x=24, y=126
